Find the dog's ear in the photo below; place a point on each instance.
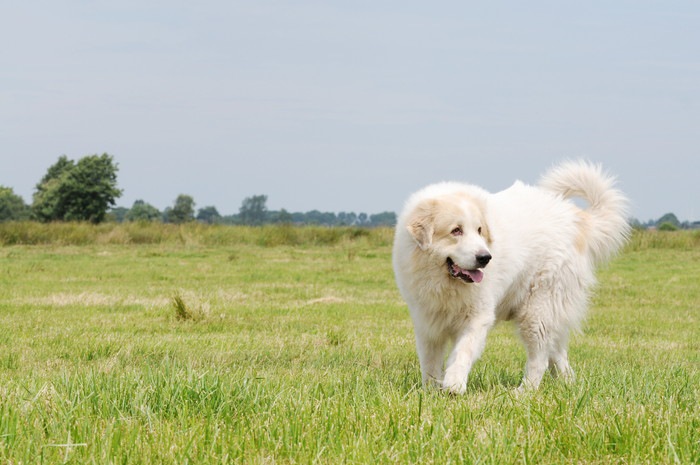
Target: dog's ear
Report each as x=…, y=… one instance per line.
x=486, y=232
x=422, y=233
x=422, y=226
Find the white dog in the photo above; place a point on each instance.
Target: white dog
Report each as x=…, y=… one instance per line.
x=541, y=251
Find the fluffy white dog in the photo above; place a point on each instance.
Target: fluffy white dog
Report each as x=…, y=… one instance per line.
x=464, y=258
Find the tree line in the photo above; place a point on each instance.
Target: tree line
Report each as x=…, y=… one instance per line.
x=668, y=222
x=86, y=190
x=253, y=212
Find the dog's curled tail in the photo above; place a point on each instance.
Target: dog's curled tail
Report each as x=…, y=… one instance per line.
x=605, y=223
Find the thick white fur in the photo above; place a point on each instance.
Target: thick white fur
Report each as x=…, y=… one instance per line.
x=544, y=252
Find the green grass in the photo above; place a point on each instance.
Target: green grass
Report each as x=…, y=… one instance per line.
x=298, y=349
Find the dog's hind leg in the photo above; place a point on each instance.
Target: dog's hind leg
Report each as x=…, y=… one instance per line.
x=546, y=348
x=537, y=362
x=550, y=312
x=536, y=336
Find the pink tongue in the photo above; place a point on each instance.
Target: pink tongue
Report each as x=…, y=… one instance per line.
x=476, y=275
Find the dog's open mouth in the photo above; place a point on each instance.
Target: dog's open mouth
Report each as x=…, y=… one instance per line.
x=468, y=276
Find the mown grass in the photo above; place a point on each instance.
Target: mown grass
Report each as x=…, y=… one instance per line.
x=300, y=351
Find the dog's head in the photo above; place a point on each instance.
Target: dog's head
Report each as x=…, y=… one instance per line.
x=452, y=231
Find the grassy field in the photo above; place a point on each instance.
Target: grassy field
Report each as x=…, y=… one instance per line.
x=164, y=344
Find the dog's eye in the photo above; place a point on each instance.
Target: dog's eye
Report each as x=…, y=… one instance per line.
x=456, y=231
x=479, y=230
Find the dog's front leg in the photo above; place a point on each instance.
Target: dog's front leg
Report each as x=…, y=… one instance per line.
x=431, y=353
x=467, y=349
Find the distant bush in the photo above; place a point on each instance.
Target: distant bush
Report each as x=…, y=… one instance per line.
x=668, y=226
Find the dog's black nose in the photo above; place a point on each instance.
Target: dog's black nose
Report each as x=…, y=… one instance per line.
x=483, y=259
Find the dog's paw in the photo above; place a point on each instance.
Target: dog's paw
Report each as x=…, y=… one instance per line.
x=521, y=391
x=454, y=384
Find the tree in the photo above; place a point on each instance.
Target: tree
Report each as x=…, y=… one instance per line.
x=347, y=219
x=383, y=219
x=253, y=210
x=117, y=214
x=321, y=218
x=208, y=215
x=56, y=170
x=12, y=206
x=635, y=224
x=167, y=213
x=142, y=211
x=183, y=210
x=81, y=191
x=669, y=218
x=283, y=216
x=47, y=199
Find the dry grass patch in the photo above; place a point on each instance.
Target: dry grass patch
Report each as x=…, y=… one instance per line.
x=92, y=299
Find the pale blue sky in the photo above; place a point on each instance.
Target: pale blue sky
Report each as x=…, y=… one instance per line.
x=351, y=106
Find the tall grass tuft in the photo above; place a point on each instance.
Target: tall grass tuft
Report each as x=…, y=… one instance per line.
x=192, y=311
x=182, y=312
